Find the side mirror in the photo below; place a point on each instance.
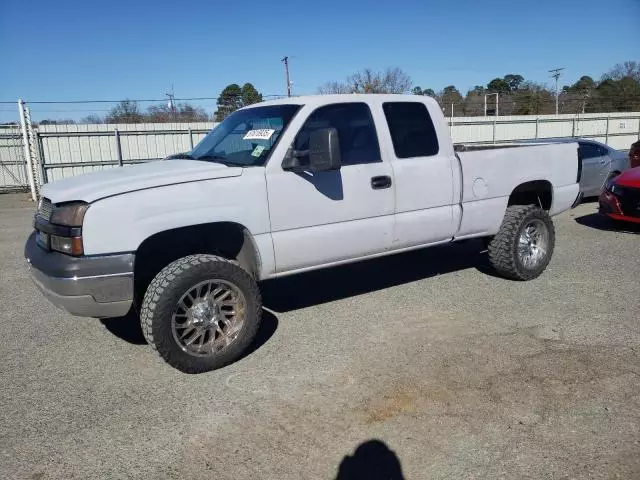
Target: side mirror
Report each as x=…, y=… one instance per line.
x=323, y=153
x=324, y=150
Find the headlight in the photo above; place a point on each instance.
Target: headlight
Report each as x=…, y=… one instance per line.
x=613, y=188
x=70, y=214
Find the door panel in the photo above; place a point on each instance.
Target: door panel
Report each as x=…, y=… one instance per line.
x=424, y=191
x=596, y=165
x=595, y=171
x=324, y=217
x=423, y=176
x=329, y=216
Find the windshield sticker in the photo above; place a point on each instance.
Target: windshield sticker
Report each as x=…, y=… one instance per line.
x=261, y=134
x=257, y=151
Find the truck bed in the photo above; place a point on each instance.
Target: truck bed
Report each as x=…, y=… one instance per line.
x=489, y=174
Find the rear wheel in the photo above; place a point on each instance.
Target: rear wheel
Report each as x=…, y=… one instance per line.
x=201, y=312
x=522, y=249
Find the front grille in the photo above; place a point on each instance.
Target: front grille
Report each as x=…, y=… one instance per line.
x=45, y=207
x=629, y=199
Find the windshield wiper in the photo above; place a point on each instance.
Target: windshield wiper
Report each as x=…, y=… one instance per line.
x=218, y=159
x=177, y=156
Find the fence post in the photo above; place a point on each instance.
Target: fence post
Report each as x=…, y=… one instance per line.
x=606, y=134
x=118, y=147
x=537, y=119
x=43, y=170
x=573, y=127
x=494, y=129
x=27, y=150
x=190, y=138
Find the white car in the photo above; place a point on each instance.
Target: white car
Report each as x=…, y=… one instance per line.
x=279, y=188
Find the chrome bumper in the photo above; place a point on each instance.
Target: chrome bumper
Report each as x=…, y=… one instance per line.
x=85, y=286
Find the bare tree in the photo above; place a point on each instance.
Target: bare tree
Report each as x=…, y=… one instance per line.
x=334, y=87
x=126, y=111
x=182, y=112
x=623, y=70
x=391, y=80
x=92, y=118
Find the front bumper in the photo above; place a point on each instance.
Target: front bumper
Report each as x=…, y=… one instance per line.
x=609, y=205
x=95, y=286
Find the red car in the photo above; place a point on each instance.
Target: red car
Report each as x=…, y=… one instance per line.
x=620, y=200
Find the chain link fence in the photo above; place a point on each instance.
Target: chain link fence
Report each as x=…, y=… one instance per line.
x=13, y=173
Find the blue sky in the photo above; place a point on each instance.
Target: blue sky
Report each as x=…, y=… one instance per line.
x=77, y=50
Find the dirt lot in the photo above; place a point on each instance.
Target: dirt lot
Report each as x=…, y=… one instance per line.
x=459, y=373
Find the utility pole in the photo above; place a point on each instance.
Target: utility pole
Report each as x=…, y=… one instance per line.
x=171, y=104
x=286, y=71
x=555, y=73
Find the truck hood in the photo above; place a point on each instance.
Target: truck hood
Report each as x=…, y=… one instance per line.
x=115, y=181
x=629, y=178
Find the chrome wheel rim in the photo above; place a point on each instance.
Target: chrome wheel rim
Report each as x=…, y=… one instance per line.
x=208, y=317
x=533, y=244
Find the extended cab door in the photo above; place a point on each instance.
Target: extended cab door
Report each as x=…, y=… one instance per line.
x=596, y=165
x=423, y=169
x=327, y=217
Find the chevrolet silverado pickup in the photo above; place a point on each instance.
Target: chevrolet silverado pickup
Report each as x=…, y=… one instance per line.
x=280, y=188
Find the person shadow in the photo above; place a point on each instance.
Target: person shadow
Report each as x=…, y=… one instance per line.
x=372, y=460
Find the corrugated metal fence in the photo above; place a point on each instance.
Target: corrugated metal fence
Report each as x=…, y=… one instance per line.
x=67, y=150
x=618, y=130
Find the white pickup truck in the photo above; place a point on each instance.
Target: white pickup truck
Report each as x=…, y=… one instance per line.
x=279, y=188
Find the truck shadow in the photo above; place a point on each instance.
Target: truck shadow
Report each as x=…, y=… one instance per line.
x=326, y=285
x=600, y=222
x=128, y=329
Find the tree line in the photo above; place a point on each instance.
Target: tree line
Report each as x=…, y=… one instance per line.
x=618, y=90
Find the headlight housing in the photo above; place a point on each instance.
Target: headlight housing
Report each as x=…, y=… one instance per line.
x=69, y=214
x=613, y=188
x=59, y=226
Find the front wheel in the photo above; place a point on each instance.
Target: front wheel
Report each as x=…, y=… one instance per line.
x=523, y=246
x=201, y=312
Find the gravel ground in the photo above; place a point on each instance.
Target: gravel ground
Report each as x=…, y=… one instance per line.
x=421, y=362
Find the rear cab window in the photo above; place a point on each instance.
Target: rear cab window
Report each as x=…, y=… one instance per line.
x=412, y=131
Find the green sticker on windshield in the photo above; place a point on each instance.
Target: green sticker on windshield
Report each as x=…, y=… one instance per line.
x=258, y=151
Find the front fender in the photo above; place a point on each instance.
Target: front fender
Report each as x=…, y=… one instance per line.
x=121, y=223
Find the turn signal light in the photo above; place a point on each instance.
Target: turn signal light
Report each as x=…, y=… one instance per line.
x=68, y=245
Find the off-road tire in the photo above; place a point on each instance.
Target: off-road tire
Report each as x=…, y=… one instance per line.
x=503, y=248
x=170, y=284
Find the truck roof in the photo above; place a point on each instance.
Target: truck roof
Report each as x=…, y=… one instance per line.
x=319, y=100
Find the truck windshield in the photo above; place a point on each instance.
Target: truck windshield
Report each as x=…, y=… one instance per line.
x=246, y=137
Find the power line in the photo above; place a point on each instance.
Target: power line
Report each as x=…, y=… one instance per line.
x=272, y=95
